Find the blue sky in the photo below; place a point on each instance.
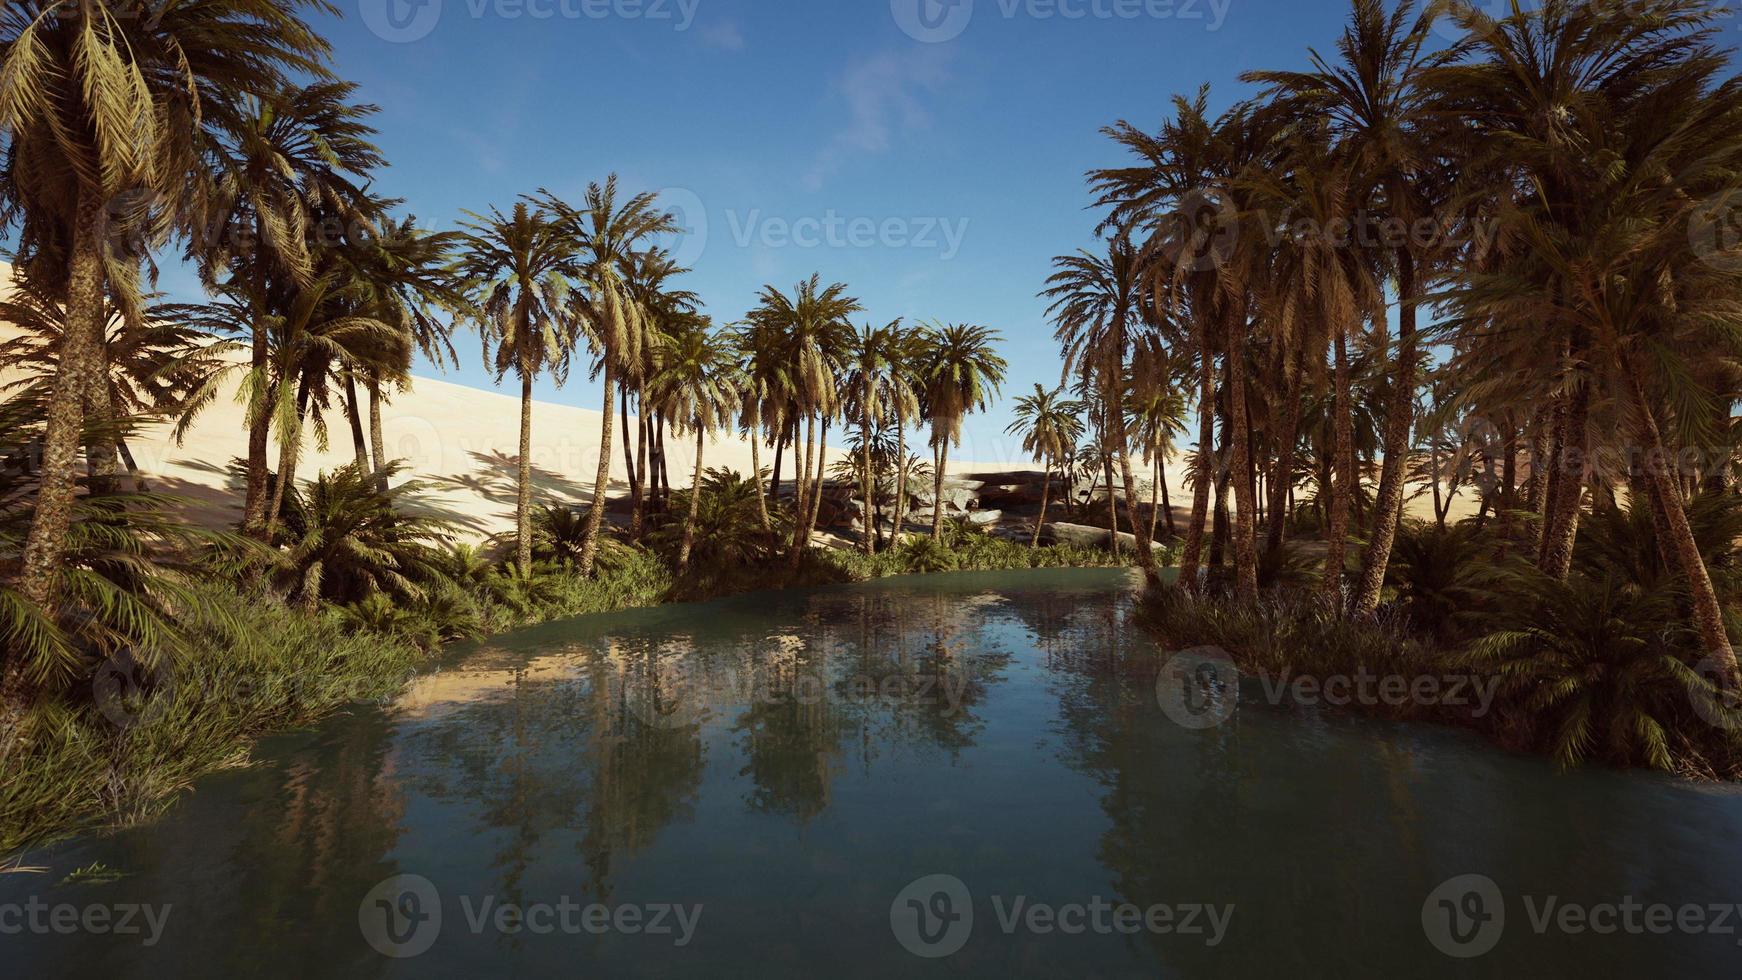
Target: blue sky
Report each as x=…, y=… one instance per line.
x=952, y=165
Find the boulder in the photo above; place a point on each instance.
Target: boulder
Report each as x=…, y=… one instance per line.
x=1084, y=536
x=982, y=518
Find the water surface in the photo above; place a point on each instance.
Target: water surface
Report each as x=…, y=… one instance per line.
x=791, y=762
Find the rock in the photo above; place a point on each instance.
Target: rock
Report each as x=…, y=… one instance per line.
x=1084, y=536
x=982, y=518
x=1011, y=495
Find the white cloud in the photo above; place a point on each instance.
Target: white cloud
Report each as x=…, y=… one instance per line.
x=885, y=97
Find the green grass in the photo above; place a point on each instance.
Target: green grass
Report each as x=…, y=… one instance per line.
x=109, y=756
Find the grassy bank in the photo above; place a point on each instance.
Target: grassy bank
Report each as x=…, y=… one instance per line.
x=1600, y=668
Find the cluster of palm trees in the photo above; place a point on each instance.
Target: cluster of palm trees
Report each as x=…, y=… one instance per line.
x=217, y=127
x=1548, y=190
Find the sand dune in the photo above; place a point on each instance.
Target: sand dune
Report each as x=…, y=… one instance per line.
x=462, y=444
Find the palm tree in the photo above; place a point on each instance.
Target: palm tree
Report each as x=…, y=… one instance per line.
x=1050, y=428
x=606, y=233
x=649, y=274
x=808, y=334
x=1094, y=302
x=287, y=159
x=695, y=384
x=1378, y=112
x=1158, y=411
x=961, y=375
x=104, y=112
x=516, y=271
x=1616, y=126
x=1177, y=193
x=877, y=389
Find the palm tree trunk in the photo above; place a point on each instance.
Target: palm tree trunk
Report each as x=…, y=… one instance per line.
x=689, y=524
x=260, y=413
x=865, y=463
x=1121, y=440
x=662, y=462
x=58, y=486
x=377, y=442
x=940, y=457
x=756, y=472
x=601, y=478
x=1192, y=551
x=1561, y=521
x=1245, y=494
x=1282, y=480
x=101, y=423
x=900, y=477
x=634, y=472
x=1045, y=489
x=1154, y=494
x=126, y=454
x=817, y=491
x=523, y=489
x=1708, y=613
x=354, y=415
x=1388, y=507
x=802, y=489
x=774, y=474
x=1342, y=477
x=288, y=452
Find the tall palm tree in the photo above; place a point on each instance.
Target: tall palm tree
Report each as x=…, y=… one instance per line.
x=288, y=159
x=1050, y=428
x=105, y=112
x=516, y=271
x=649, y=273
x=1175, y=194
x=1095, y=302
x=809, y=333
x=877, y=390
x=606, y=232
x=962, y=374
x=695, y=383
x=1616, y=125
x=1379, y=112
x=1158, y=411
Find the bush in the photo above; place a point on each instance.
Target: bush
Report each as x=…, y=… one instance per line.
x=1600, y=669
